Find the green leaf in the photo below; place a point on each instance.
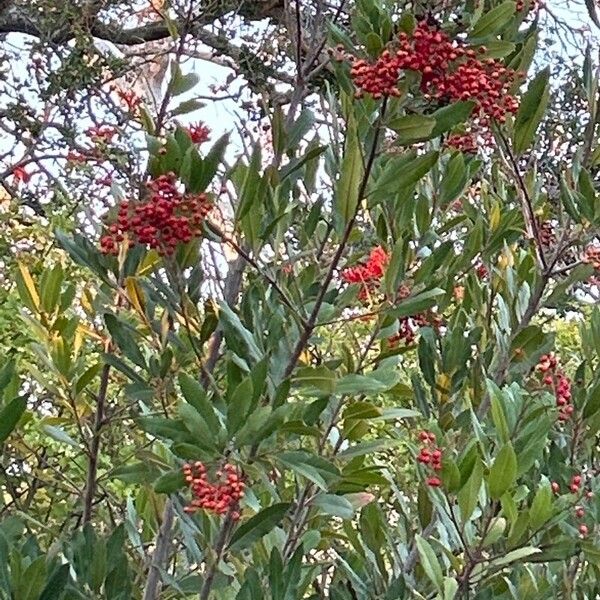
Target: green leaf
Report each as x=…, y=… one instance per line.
x=258, y=526
x=170, y=482
x=418, y=303
x=429, y=562
x=50, y=285
x=450, y=475
x=60, y=435
x=123, y=335
x=187, y=106
x=10, y=416
x=541, y=507
x=497, y=409
x=239, y=405
x=503, y=473
x=297, y=163
x=514, y=556
x=375, y=382
x=493, y=21
x=319, y=378
x=469, y=494
x=182, y=83
x=331, y=504
x=210, y=164
x=203, y=435
x=412, y=128
x=351, y=174
x=450, y=116
x=194, y=394
x=57, y=584
x=531, y=110
x=316, y=469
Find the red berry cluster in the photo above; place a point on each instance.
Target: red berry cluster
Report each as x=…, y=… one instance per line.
x=579, y=512
x=449, y=70
x=553, y=376
x=220, y=498
x=465, y=142
x=378, y=79
x=166, y=219
x=368, y=274
x=199, y=133
x=430, y=456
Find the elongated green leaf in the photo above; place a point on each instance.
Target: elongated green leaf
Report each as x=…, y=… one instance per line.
x=541, y=507
x=450, y=116
x=314, y=468
x=210, y=163
x=418, y=303
x=429, y=562
x=259, y=525
x=60, y=435
x=375, y=382
x=351, y=174
x=497, y=409
x=531, y=110
x=493, y=21
x=469, y=494
x=515, y=555
x=194, y=394
x=412, y=128
x=170, y=482
x=319, y=378
x=338, y=506
x=503, y=472
x=9, y=417
x=124, y=336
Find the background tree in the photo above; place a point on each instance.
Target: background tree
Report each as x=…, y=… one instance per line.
x=347, y=349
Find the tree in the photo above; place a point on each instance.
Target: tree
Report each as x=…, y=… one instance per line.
x=346, y=350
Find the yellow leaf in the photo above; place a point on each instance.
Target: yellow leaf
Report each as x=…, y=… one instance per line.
x=29, y=285
x=495, y=217
x=135, y=295
x=443, y=386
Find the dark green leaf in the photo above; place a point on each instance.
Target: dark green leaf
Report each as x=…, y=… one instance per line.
x=258, y=526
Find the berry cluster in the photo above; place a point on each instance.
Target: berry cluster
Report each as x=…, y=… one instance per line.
x=220, y=498
x=579, y=512
x=430, y=456
x=450, y=71
x=166, y=219
x=553, y=376
x=591, y=256
x=465, y=142
x=198, y=132
x=547, y=235
x=368, y=274
x=378, y=79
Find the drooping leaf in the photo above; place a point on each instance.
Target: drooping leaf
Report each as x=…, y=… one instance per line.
x=503, y=472
x=258, y=526
x=531, y=110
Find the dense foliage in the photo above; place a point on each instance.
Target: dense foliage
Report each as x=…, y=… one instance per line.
x=348, y=349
